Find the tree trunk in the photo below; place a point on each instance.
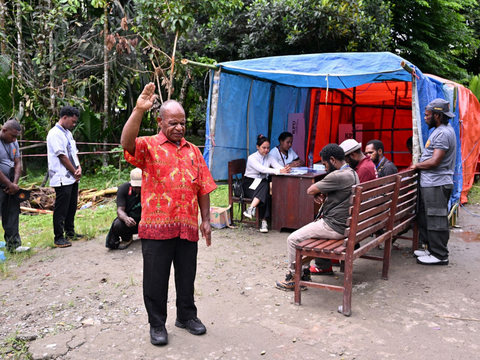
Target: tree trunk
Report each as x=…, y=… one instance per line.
x=18, y=23
x=172, y=69
x=183, y=90
x=106, y=83
x=3, y=9
x=51, y=58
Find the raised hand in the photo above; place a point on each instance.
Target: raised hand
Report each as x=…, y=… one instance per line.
x=147, y=97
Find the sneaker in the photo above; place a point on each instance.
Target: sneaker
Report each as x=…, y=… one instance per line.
x=61, y=243
x=249, y=212
x=431, y=260
x=264, y=227
x=194, y=326
x=289, y=283
x=125, y=244
x=21, y=249
x=73, y=237
x=158, y=335
x=316, y=271
x=421, y=252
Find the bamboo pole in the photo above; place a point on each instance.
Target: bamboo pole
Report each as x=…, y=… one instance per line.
x=415, y=137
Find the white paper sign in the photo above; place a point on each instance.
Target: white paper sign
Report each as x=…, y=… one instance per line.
x=255, y=183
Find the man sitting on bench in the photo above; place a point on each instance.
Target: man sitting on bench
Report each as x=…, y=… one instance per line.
x=334, y=192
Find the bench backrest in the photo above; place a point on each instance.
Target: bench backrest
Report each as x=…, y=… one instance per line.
x=407, y=201
x=373, y=203
x=235, y=167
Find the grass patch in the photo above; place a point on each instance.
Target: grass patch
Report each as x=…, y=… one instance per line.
x=474, y=193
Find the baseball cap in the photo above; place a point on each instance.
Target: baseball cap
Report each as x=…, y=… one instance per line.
x=136, y=177
x=350, y=145
x=440, y=105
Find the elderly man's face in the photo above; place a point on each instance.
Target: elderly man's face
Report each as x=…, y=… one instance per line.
x=173, y=122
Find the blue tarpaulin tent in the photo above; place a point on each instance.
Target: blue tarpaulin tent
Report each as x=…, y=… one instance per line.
x=252, y=97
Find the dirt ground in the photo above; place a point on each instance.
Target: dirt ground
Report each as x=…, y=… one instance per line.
x=85, y=302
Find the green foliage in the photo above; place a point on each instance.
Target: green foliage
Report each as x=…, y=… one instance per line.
x=6, y=100
x=474, y=86
x=434, y=35
x=280, y=27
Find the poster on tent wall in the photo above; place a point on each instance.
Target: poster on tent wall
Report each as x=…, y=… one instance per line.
x=296, y=126
x=345, y=131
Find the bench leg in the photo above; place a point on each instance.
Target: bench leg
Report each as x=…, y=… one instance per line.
x=415, y=236
x=298, y=274
x=387, y=252
x=346, y=309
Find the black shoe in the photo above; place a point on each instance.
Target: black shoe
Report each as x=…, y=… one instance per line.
x=125, y=244
x=158, y=335
x=194, y=326
x=73, y=237
x=61, y=243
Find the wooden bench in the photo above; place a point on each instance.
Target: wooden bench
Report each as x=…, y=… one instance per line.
x=406, y=211
x=374, y=208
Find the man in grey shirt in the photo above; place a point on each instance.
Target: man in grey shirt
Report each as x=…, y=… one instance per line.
x=334, y=192
x=437, y=165
x=10, y=169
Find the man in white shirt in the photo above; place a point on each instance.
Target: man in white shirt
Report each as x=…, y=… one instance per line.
x=65, y=172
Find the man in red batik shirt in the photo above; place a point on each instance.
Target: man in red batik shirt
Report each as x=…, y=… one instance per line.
x=175, y=181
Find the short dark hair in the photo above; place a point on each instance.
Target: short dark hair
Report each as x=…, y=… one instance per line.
x=332, y=150
x=12, y=124
x=69, y=111
x=377, y=144
x=444, y=119
x=261, y=139
x=283, y=136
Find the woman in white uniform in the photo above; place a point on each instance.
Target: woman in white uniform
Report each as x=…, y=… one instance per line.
x=259, y=165
x=284, y=153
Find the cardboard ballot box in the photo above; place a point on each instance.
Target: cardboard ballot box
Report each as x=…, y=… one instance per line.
x=220, y=217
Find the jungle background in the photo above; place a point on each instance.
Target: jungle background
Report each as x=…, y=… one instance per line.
x=97, y=55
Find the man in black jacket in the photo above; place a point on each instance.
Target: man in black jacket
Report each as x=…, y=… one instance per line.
x=376, y=151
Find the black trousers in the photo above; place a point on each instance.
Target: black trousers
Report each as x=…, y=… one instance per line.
x=121, y=230
x=65, y=209
x=262, y=193
x=433, y=219
x=10, y=213
x=158, y=256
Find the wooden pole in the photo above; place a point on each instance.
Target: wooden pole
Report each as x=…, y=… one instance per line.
x=195, y=63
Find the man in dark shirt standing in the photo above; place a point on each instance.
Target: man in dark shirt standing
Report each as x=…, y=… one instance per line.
x=437, y=166
x=129, y=212
x=375, y=150
x=10, y=169
x=362, y=164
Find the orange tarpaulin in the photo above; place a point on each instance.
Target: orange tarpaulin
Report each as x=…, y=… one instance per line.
x=381, y=107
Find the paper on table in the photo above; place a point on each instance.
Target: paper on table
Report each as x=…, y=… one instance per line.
x=255, y=183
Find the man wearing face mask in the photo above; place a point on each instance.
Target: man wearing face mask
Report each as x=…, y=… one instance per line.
x=334, y=191
x=437, y=166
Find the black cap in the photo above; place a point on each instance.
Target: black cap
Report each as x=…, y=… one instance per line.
x=440, y=105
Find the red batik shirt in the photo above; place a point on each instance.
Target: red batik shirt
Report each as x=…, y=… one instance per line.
x=173, y=178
